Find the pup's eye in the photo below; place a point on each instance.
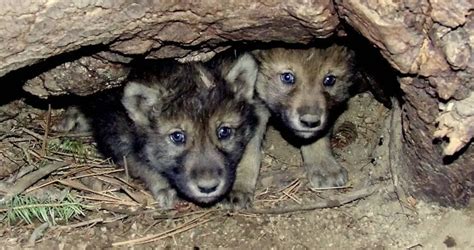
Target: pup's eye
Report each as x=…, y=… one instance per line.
x=287, y=78
x=178, y=137
x=224, y=132
x=329, y=80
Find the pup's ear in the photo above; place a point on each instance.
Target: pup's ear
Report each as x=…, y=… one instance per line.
x=141, y=102
x=242, y=76
x=258, y=54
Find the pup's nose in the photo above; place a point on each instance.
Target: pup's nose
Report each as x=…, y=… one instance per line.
x=207, y=189
x=310, y=121
x=207, y=185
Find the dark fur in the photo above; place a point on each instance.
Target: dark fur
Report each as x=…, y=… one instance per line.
x=182, y=100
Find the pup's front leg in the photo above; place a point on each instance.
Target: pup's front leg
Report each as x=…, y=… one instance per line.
x=321, y=167
x=158, y=185
x=242, y=193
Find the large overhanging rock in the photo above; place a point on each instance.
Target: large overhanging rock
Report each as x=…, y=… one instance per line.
x=429, y=43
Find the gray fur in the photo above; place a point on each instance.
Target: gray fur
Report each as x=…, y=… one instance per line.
x=137, y=122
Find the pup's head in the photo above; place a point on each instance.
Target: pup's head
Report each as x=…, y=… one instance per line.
x=302, y=86
x=195, y=123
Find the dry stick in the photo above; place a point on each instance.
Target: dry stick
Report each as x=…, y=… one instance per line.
x=44, y=147
x=96, y=174
x=30, y=179
x=281, y=161
x=156, y=213
x=109, y=201
x=292, y=197
x=37, y=233
x=293, y=183
x=41, y=186
x=92, y=222
x=181, y=228
x=42, y=157
x=32, y=133
x=178, y=230
x=79, y=134
x=83, y=223
x=395, y=147
x=320, y=189
x=79, y=186
x=27, y=156
x=337, y=201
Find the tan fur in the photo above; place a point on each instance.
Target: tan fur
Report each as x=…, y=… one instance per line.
x=306, y=99
x=249, y=167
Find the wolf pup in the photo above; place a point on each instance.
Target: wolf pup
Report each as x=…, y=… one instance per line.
x=181, y=128
x=302, y=88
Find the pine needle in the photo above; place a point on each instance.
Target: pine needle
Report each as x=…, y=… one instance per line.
x=66, y=145
x=27, y=209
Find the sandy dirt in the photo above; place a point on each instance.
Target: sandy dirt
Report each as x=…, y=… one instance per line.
x=377, y=222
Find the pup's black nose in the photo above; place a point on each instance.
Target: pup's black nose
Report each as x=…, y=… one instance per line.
x=310, y=121
x=207, y=189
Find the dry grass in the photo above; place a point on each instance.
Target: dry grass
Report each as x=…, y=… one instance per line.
x=50, y=162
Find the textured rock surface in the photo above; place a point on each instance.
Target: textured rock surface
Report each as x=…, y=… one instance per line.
x=429, y=42
x=432, y=41
x=36, y=30
x=84, y=76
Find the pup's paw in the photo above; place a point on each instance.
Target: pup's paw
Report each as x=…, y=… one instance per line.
x=237, y=200
x=166, y=197
x=323, y=176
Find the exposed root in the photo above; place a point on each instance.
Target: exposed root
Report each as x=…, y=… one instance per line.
x=336, y=201
x=37, y=233
x=199, y=220
x=30, y=179
x=395, y=149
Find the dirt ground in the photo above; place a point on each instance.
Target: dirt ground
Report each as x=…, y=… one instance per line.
x=119, y=215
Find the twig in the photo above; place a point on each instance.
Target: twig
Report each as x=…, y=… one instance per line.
x=32, y=133
x=281, y=161
x=83, y=134
x=334, y=202
x=83, y=223
x=179, y=229
x=109, y=200
x=96, y=174
x=37, y=233
x=40, y=157
x=31, y=178
x=41, y=186
x=157, y=214
x=33, y=206
x=79, y=186
x=27, y=156
x=7, y=135
x=44, y=147
x=290, y=186
x=92, y=222
x=6, y=117
x=319, y=189
x=292, y=196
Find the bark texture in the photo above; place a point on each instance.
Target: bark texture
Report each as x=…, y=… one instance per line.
x=430, y=42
